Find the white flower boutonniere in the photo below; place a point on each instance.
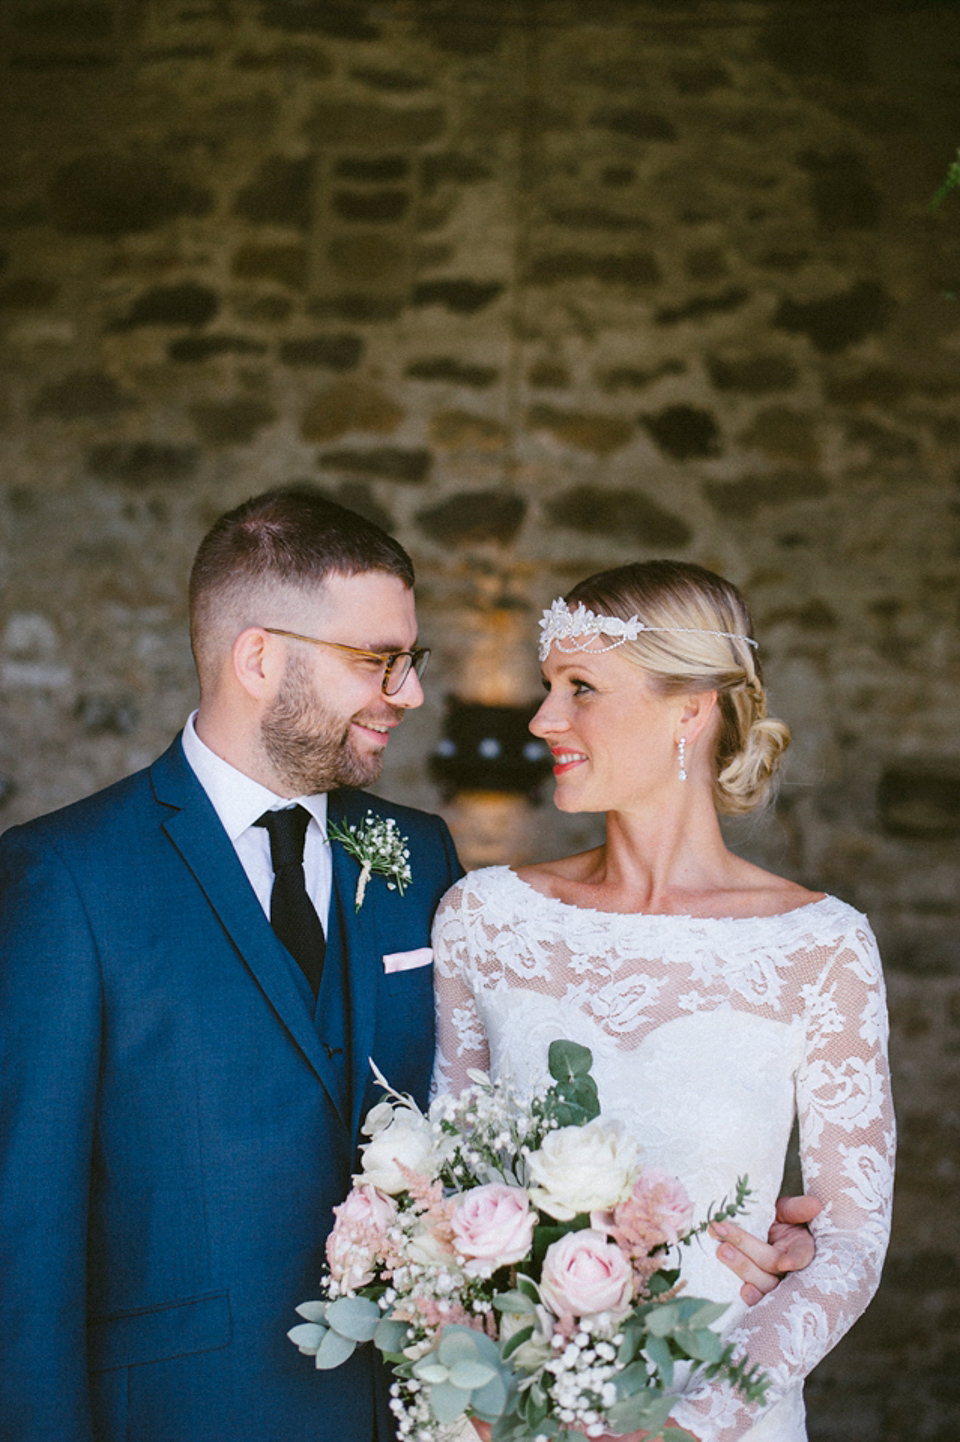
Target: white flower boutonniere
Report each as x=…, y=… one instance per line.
x=380, y=847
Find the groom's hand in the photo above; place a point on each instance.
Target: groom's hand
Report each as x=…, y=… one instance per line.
x=760, y=1265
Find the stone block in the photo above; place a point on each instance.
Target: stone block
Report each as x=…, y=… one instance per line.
x=876, y=385
x=369, y=259
x=83, y=395
x=359, y=496
x=140, y=463
x=443, y=167
x=281, y=193
x=373, y=127
x=617, y=176
x=357, y=307
x=684, y=432
x=375, y=207
x=839, y=320
x=600, y=435
x=458, y=430
x=596, y=217
x=350, y=406
x=397, y=82
x=458, y=30
x=707, y=262
x=286, y=264
x=262, y=309
x=753, y=375
x=621, y=515
x=636, y=268
x=388, y=463
x=784, y=435
x=231, y=422
x=341, y=21
x=632, y=378
x=703, y=305
x=844, y=197
x=27, y=292
x=545, y=375
x=474, y=516
x=635, y=123
x=448, y=369
x=331, y=352
x=463, y=297
x=192, y=348
x=375, y=170
x=297, y=57
x=700, y=78
x=741, y=499
x=74, y=24
x=111, y=195
x=185, y=304
x=883, y=442
x=920, y=798
x=106, y=715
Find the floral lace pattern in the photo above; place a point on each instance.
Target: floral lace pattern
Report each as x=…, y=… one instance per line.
x=709, y=1036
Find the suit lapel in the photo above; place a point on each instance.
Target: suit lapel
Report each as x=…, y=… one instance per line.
x=364, y=949
x=195, y=830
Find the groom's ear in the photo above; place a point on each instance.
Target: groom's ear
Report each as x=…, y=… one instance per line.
x=258, y=662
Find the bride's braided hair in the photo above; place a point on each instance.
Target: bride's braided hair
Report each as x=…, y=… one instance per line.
x=699, y=603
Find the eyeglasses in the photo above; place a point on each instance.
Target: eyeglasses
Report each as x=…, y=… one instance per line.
x=396, y=664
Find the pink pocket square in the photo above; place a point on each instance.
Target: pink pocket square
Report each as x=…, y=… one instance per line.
x=408, y=960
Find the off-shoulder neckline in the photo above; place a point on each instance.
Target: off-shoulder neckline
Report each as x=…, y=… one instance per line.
x=667, y=916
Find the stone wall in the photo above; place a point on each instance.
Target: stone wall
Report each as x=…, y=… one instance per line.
x=542, y=287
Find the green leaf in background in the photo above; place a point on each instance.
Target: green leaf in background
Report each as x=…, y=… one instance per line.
x=566, y=1060
x=354, y=1317
x=658, y=1350
x=517, y=1340
x=448, y=1402
x=334, y=1350
x=390, y=1336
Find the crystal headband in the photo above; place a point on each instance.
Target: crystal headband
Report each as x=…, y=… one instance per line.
x=559, y=623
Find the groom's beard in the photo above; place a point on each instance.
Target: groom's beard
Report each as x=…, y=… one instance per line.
x=310, y=747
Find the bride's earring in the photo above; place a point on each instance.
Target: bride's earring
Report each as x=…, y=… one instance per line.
x=681, y=758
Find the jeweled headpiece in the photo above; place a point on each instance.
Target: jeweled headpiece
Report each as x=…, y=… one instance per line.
x=559, y=624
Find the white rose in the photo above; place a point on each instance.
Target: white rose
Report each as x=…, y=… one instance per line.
x=407, y=1140
x=583, y=1169
x=532, y=1354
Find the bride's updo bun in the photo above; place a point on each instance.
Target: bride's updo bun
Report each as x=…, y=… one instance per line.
x=697, y=602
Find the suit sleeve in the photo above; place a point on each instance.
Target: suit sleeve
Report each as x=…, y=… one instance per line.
x=50, y=1022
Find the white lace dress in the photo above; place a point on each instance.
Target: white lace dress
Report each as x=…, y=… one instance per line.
x=708, y=1037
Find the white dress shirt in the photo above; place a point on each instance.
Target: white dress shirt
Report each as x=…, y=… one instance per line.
x=239, y=800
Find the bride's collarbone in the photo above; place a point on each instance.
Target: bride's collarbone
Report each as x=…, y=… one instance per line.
x=774, y=896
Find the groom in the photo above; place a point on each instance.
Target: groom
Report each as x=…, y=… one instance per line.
x=191, y=987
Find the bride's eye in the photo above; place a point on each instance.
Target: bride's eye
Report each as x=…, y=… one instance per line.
x=580, y=688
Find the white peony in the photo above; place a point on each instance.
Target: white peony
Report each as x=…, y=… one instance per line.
x=407, y=1139
x=583, y=1169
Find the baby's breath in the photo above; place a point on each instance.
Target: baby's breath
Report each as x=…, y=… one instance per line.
x=380, y=847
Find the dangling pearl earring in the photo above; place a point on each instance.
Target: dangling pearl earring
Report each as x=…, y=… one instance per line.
x=681, y=757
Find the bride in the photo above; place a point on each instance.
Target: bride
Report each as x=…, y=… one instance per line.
x=719, y=1000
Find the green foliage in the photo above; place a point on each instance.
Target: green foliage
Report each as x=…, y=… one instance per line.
x=573, y=1098
x=951, y=181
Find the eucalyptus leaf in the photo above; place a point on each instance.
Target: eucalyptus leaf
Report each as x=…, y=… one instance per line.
x=706, y=1315
x=470, y=1374
x=463, y=1343
x=646, y=1411
x=313, y=1311
x=448, y=1402
x=307, y=1336
x=658, y=1350
x=354, y=1317
x=334, y=1350
x=527, y=1285
x=490, y=1401
x=391, y=1336
x=662, y=1320
x=703, y=1345
x=433, y=1373
x=632, y=1379
x=568, y=1059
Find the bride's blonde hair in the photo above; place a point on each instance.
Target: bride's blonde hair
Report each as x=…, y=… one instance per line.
x=698, y=603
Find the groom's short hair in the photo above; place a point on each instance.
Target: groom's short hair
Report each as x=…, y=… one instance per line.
x=288, y=538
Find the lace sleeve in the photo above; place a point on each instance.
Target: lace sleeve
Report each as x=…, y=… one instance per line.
x=847, y=1135
x=461, y=1040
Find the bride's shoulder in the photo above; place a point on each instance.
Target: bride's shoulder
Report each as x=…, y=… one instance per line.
x=477, y=887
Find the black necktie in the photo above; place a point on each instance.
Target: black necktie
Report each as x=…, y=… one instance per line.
x=293, y=915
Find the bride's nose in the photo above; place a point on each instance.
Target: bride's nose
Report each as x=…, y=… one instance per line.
x=547, y=720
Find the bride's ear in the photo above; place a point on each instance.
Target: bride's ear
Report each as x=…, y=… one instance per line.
x=699, y=712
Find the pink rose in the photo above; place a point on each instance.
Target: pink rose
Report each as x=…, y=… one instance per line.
x=358, y=1235
x=493, y=1227
x=584, y=1274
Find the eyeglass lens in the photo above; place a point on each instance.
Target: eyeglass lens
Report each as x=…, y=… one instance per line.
x=399, y=669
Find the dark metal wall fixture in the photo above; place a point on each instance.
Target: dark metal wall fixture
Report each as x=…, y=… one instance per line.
x=489, y=748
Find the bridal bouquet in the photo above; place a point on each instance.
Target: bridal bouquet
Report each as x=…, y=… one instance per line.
x=512, y=1260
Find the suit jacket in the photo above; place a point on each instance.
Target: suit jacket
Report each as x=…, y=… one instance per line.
x=176, y=1125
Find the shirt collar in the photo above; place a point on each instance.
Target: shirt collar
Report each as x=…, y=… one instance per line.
x=237, y=799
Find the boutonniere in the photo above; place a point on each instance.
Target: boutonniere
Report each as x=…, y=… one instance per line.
x=380, y=847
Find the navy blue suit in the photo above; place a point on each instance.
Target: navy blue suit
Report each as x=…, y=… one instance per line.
x=176, y=1125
